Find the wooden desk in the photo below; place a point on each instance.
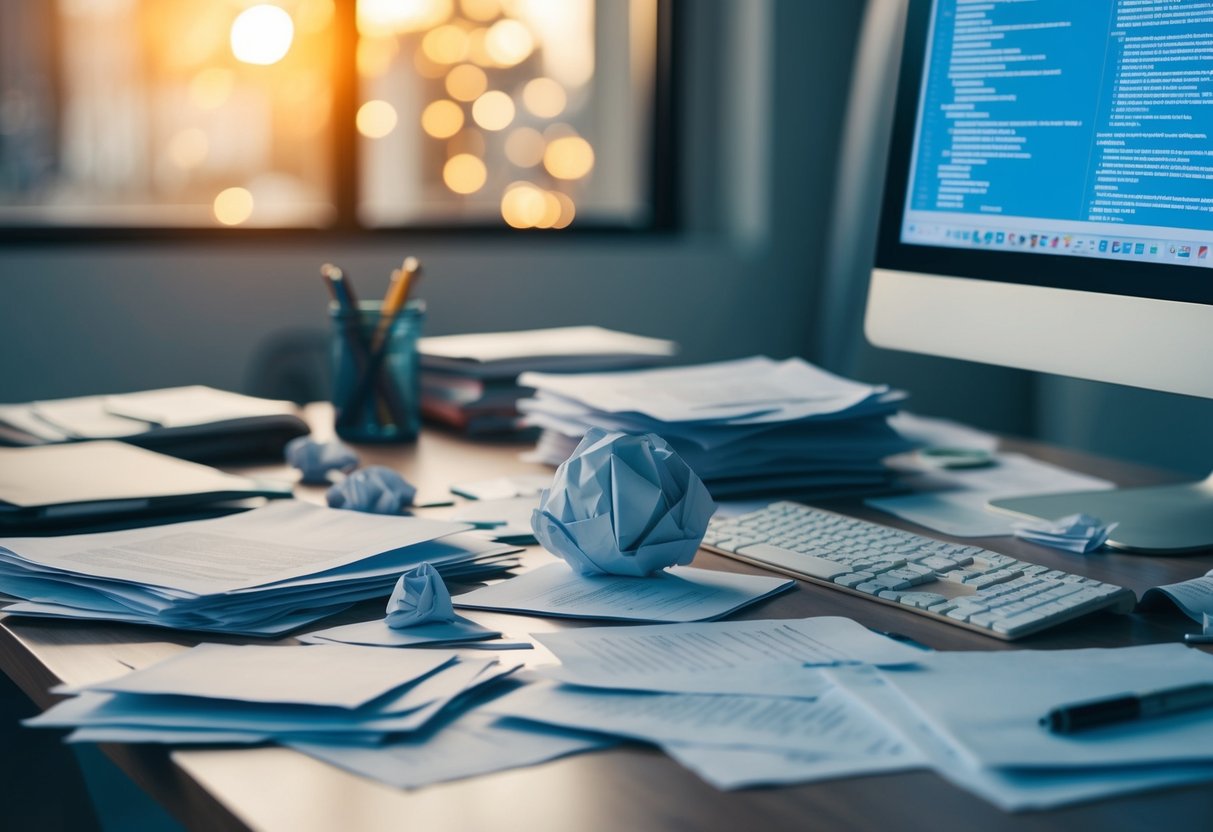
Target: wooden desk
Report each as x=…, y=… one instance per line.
x=628, y=788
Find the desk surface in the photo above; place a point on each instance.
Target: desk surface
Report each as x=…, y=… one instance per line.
x=629, y=788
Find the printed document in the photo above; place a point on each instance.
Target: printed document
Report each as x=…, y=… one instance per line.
x=762, y=658
x=681, y=594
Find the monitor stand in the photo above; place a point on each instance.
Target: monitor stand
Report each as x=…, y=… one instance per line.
x=1158, y=520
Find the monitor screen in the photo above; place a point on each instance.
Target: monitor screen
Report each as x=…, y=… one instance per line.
x=1076, y=133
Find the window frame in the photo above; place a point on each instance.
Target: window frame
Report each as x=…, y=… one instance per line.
x=662, y=173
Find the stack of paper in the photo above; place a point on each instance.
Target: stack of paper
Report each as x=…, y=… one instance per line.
x=747, y=427
x=263, y=572
x=193, y=422
x=740, y=703
x=230, y=693
x=976, y=718
x=404, y=717
x=469, y=381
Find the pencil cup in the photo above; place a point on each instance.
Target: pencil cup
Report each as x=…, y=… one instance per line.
x=376, y=382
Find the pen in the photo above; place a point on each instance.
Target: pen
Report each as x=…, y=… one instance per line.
x=1081, y=716
x=1198, y=638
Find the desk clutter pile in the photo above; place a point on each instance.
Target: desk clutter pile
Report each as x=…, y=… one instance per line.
x=749, y=427
x=788, y=701
x=470, y=382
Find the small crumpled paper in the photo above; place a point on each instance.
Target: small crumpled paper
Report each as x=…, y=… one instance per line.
x=374, y=489
x=1079, y=533
x=623, y=505
x=420, y=597
x=316, y=459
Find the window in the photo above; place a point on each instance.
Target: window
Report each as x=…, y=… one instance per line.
x=329, y=113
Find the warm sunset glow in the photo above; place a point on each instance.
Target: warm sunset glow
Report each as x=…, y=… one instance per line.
x=509, y=42
x=262, y=35
x=189, y=148
x=481, y=10
x=233, y=206
x=442, y=119
x=376, y=119
x=544, y=97
x=211, y=88
x=375, y=56
x=397, y=17
x=569, y=157
x=494, y=110
x=466, y=82
x=445, y=45
x=464, y=174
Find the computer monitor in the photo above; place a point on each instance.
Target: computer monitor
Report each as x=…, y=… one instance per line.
x=1049, y=205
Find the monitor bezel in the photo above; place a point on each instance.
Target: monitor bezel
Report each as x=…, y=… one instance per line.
x=1159, y=281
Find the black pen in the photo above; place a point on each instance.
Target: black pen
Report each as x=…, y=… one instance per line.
x=1116, y=709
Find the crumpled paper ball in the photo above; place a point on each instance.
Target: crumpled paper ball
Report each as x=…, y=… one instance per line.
x=623, y=505
x=420, y=597
x=1079, y=533
x=373, y=489
x=316, y=459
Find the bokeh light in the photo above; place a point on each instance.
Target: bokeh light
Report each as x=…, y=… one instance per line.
x=480, y=10
x=509, y=42
x=464, y=173
x=376, y=119
x=445, y=44
x=568, y=210
x=262, y=35
x=466, y=82
x=494, y=110
x=551, y=211
x=544, y=97
x=524, y=147
x=233, y=206
x=523, y=205
x=442, y=119
x=478, y=53
x=568, y=157
x=396, y=17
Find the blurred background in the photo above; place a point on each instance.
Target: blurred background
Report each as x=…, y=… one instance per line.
x=174, y=172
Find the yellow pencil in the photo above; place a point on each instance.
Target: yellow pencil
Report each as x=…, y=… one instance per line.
x=395, y=299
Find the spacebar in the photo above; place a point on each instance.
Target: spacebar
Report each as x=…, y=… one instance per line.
x=814, y=567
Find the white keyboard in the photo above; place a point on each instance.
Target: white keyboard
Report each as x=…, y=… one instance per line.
x=963, y=585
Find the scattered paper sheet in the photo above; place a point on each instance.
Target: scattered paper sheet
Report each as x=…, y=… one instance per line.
x=507, y=519
x=378, y=634
x=832, y=724
x=681, y=594
x=761, y=658
x=741, y=768
x=335, y=675
x=1009, y=789
x=1193, y=597
x=989, y=704
x=1078, y=533
x=476, y=744
x=954, y=502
